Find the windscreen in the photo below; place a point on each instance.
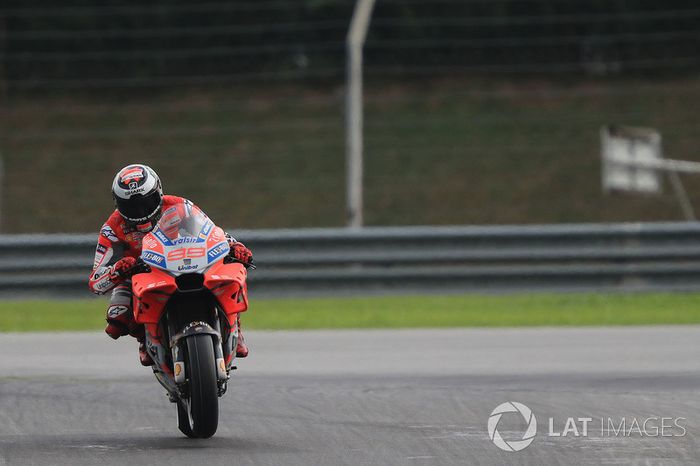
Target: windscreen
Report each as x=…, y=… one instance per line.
x=182, y=223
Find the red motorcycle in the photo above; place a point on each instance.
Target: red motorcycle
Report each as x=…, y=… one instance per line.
x=188, y=292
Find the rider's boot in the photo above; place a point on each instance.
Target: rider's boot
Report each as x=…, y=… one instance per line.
x=144, y=357
x=138, y=331
x=241, y=347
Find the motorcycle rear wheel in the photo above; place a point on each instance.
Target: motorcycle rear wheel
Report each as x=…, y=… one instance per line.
x=198, y=417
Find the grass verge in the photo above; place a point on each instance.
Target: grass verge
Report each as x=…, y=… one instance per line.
x=438, y=151
x=398, y=312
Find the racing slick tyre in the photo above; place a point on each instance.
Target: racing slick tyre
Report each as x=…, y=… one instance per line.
x=203, y=405
x=184, y=423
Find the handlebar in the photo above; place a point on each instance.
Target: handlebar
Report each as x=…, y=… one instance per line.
x=139, y=267
x=231, y=260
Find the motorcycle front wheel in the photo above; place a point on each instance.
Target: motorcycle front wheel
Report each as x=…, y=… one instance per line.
x=198, y=416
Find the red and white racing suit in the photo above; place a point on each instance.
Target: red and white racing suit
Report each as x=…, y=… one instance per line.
x=118, y=240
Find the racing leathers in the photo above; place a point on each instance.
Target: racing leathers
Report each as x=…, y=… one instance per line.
x=118, y=247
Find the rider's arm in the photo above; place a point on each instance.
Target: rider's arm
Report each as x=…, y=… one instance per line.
x=108, y=253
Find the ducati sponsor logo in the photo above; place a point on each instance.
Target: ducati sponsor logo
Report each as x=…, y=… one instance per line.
x=149, y=242
x=217, y=234
x=132, y=177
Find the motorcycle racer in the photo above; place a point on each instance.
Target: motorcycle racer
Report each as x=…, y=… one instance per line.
x=139, y=200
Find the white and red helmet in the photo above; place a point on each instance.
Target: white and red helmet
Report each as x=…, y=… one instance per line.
x=138, y=196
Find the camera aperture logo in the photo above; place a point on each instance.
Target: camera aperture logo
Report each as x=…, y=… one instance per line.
x=528, y=436
x=580, y=427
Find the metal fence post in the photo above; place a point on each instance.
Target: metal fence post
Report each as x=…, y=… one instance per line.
x=353, y=119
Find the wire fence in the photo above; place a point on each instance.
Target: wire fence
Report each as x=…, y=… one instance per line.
x=476, y=112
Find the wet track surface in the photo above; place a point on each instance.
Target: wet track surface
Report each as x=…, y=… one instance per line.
x=346, y=397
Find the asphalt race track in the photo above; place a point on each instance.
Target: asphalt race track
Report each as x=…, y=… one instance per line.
x=408, y=397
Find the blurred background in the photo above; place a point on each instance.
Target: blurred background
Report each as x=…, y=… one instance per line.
x=482, y=195
x=476, y=112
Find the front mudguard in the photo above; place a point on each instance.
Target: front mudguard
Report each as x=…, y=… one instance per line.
x=192, y=329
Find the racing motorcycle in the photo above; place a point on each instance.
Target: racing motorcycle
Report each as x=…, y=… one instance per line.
x=188, y=292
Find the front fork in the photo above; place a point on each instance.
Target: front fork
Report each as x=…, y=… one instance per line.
x=178, y=355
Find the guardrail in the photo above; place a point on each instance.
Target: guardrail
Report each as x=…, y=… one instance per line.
x=626, y=257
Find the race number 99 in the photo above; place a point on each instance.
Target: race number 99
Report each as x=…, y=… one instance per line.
x=186, y=253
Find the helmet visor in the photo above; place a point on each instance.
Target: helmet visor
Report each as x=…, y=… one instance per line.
x=139, y=208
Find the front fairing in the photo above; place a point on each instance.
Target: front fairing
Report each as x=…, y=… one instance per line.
x=185, y=240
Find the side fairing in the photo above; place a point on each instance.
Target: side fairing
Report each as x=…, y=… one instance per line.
x=227, y=282
x=151, y=293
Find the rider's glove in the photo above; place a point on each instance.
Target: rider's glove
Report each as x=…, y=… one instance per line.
x=241, y=253
x=123, y=268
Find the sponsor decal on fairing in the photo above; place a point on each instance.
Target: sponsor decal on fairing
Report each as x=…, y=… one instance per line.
x=207, y=228
x=153, y=258
x=187, y=267
x=164, y=239
x=149, y=242
x=186, y=239
x=217, y=251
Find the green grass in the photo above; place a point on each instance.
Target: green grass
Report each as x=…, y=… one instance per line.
x=398, y=312
x=438, y=151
